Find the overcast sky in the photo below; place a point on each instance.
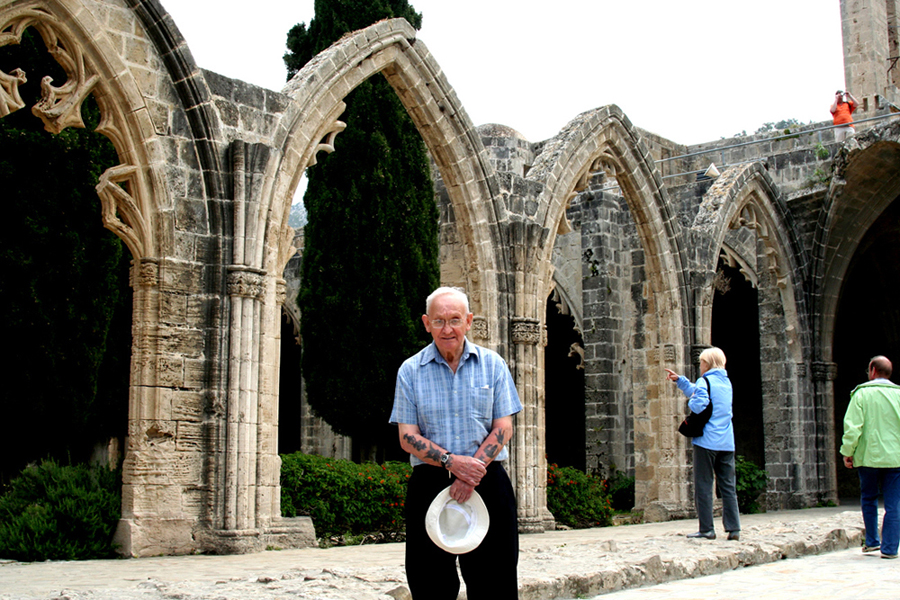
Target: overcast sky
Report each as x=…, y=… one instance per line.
x=692, y=71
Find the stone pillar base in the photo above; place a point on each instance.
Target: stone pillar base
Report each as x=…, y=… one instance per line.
x=169, y=537
x=657, y=512
x=155, y=537
x=549, y=523
x=281, y=534
x=531, y=525
x=297, y=532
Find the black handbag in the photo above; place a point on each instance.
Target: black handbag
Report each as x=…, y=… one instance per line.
x=693, y=424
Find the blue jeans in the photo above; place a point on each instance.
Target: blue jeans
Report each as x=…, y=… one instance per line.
x=718, y=464
x=870, y=479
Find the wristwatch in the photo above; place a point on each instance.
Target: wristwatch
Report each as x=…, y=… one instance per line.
x=445, y=459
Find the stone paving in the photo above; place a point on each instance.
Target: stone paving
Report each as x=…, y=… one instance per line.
x=840, y=575
x=559, y=564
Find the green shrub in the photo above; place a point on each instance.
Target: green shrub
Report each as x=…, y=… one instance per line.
x=53, y=512
x=577, y=499
x=344, y=497
x=751, y=482
x=621, y=491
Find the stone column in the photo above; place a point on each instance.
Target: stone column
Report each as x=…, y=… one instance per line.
x=823, y=375
x=529, y=460
x=162, y=493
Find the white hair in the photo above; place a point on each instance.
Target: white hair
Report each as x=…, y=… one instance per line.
x=446, y=291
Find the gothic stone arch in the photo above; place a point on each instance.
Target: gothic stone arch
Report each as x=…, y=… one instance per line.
x=604, y=139
x=743, y=218
x=866, y=181
x=136, y=204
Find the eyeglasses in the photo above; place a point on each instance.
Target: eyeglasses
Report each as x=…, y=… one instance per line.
x=454, y=322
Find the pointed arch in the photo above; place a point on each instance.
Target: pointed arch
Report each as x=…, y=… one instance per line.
x=866, y=181
x=391, y=49
x=746, y=196
x=129, y=192
x=604, y=139
x=745, y=203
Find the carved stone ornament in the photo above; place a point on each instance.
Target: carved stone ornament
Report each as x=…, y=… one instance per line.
x=526, y=331
x=327, y=143
x=121, y=214
x=245, y=283
x=10, y=100
x=280, y=291
x=696, y=351
x=824, y=371
x=144, y=273
x=59, y=107
x=480, y=329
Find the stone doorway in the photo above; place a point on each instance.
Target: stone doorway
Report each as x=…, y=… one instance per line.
x=867, y=322
x=735, y=329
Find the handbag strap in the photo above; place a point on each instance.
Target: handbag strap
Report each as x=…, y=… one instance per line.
x=708, y=389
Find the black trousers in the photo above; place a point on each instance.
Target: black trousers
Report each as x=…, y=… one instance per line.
x=490, y=569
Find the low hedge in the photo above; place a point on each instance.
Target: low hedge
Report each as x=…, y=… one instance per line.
x=578, y=499
x=53, y=512
x=344, y=497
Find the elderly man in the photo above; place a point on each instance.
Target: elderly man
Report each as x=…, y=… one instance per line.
x=871, y=444
x=453, y=405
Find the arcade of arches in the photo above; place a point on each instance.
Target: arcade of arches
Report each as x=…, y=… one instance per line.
x=593, y=260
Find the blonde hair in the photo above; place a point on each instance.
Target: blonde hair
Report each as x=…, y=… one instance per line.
x=714, y=357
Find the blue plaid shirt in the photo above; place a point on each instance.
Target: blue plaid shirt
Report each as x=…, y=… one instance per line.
x=455, y=411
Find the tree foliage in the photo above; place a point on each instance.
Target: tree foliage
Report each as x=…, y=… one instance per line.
x=64, y=292
x=371, y=252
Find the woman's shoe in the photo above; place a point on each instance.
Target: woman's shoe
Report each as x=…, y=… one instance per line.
x=709, y=535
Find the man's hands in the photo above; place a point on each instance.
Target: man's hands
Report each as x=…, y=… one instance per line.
x=469, y=472
x=848, y=462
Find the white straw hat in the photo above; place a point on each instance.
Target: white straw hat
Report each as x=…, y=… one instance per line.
x=455, y=527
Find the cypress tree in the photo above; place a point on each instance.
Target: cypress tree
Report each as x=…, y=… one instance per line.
x=371, y=242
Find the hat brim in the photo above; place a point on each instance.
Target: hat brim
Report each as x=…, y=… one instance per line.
x=473, y=513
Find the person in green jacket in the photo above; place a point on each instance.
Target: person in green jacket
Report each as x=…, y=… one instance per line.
x=871, y=444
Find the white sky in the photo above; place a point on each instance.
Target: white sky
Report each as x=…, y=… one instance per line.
x=692, y=71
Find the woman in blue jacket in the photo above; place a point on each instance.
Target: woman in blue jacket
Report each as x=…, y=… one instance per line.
x=714, y=450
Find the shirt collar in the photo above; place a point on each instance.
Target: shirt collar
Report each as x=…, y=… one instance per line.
x=431, y=353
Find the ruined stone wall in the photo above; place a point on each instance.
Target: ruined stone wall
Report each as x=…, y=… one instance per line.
x=202, y=196
x=612, y=325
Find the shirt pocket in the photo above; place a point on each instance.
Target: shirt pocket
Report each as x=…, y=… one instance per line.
x=482, y=403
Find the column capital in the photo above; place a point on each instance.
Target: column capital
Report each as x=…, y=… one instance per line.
x=144, y=273
x=526, y=330
x=824, y=371
x=245, y=282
